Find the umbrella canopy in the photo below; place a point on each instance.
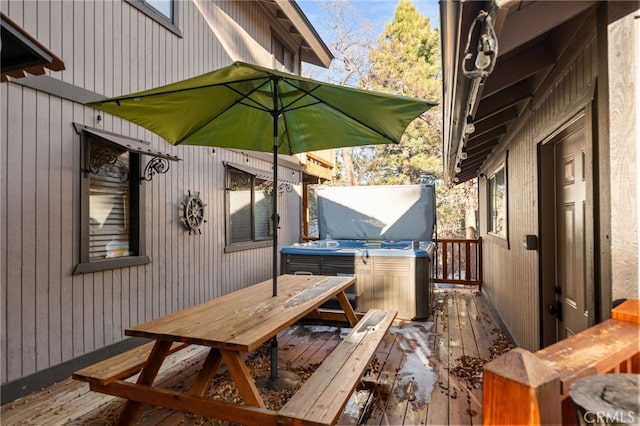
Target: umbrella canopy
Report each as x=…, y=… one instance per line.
x=234, y=107
x=250, y=107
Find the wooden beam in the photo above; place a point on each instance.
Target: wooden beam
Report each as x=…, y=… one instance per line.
x=316, y=169
x=202, y=406
x=498, y=102
x=596, y=350
x=535, y=19
x=480, y=137
x=496, y=120
x=518, y=68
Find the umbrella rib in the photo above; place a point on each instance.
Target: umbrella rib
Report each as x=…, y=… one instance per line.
x=240, y=101
x=246, y=96
x=142, y=95
x=301, y=106
x=308, y=92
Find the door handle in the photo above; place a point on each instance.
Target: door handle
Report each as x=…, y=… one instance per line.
x=556, y=310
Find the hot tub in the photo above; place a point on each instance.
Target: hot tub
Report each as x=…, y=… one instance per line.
x=390, y=274
x=383, y=235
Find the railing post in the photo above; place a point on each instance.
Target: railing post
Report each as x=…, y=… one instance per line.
x=467, y=259
x=445, y=261
x=519, y=388
x=459, y=266
x=479, y=262
x=628, y=311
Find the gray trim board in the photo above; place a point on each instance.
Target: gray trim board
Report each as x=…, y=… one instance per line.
x=34, y=382
x=58, y=88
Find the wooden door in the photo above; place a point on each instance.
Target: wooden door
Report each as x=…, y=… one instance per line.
x=570, y=188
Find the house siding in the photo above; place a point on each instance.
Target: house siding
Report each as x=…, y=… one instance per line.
x=511, y=278
x=49, y=315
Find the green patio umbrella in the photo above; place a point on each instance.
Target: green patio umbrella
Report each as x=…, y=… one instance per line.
x=250, y=107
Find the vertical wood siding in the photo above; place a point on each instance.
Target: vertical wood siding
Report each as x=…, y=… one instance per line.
x=49, y=315
x=511, y=274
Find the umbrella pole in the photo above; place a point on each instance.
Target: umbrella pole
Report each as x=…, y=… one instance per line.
x=278, y=380
x=275, y=209
x=274, y=341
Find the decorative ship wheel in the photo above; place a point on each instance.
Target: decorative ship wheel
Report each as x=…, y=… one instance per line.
x=193, y=212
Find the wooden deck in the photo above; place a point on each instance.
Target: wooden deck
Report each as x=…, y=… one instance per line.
x=426, y=372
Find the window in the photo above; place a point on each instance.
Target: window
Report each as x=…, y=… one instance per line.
x=112, y=198
x=497, y=203
x=249, y=208
x=110, y=206
x=282, y=55
x=165, y=12
x=165, y=7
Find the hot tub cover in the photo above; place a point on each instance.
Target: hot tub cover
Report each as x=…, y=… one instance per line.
x=392, y=213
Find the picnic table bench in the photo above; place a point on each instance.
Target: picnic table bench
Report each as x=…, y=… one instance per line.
x=238, y=323
x=323, y=396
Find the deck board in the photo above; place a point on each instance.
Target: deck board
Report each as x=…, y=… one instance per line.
x=438, y=410
x=461, y=325
x=459, y=411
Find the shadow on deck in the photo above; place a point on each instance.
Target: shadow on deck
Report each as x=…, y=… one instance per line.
x=423, y=373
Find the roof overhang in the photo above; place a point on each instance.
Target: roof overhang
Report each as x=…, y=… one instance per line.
x=531, y=35
x=290, y=17
x=21, y=53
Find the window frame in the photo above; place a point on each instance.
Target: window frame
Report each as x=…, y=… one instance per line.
x=169, y=23
x=254, y=174
x=137, y=203
x=502, y=168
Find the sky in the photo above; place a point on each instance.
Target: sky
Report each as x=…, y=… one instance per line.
x=376, y=11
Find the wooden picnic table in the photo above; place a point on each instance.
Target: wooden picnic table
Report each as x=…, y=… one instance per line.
x=230, y=325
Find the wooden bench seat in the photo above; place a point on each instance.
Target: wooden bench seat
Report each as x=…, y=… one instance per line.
x=322, y=398
x=120, y=366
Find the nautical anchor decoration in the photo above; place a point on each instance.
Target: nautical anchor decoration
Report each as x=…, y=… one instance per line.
x=193, y=212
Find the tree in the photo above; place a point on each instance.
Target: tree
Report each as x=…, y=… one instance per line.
x=349, y=37
x=406, y=61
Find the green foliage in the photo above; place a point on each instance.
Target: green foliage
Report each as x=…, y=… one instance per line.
x=405, y=62
x=407, y=58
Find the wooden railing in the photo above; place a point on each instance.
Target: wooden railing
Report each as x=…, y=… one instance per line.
x=459, y=261
x=521, y=387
